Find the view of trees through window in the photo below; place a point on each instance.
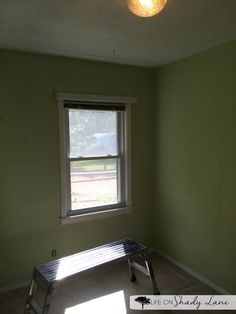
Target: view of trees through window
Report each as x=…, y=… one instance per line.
x=93, y=135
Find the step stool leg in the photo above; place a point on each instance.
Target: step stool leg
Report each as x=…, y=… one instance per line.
x=31, y=294
x=151, y=275
x=46, y=303
x=51, y=291
x=132, y=273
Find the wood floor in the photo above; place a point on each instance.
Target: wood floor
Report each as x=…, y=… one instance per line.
x=107, y=291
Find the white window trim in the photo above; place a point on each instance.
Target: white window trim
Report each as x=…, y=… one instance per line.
x=127, y=101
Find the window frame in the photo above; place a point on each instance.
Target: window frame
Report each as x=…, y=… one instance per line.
x=67, y=215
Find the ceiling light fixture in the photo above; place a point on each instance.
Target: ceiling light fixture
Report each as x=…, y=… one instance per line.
x=146, y=8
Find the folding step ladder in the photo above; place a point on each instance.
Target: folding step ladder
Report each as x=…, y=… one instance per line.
x=47, y=276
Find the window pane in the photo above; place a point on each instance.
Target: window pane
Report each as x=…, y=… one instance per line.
x=92, y=133
x=93, y=183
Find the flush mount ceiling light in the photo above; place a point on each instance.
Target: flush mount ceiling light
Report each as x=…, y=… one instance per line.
x=146, y=8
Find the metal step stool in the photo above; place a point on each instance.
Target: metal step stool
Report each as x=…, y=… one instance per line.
x=47, y=276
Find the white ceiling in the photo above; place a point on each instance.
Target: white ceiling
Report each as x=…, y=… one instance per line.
x=105, y=30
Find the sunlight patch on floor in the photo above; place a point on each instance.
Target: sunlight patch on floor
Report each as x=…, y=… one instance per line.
x=111, y=303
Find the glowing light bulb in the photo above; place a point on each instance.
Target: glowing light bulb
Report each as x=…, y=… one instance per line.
x=146, y=8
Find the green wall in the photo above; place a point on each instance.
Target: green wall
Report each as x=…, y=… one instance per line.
x=183, y=126
x=29, y=158
x=196, y=163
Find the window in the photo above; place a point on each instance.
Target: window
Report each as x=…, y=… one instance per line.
x=95, y=156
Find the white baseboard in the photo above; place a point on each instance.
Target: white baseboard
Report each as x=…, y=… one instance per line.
x=15, y=286
x=192, y=273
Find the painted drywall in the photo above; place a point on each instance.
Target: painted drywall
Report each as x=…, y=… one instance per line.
x=194, y=134
x=196, y=163
x=29, y=159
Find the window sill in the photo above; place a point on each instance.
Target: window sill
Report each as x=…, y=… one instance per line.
x=96, y=215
